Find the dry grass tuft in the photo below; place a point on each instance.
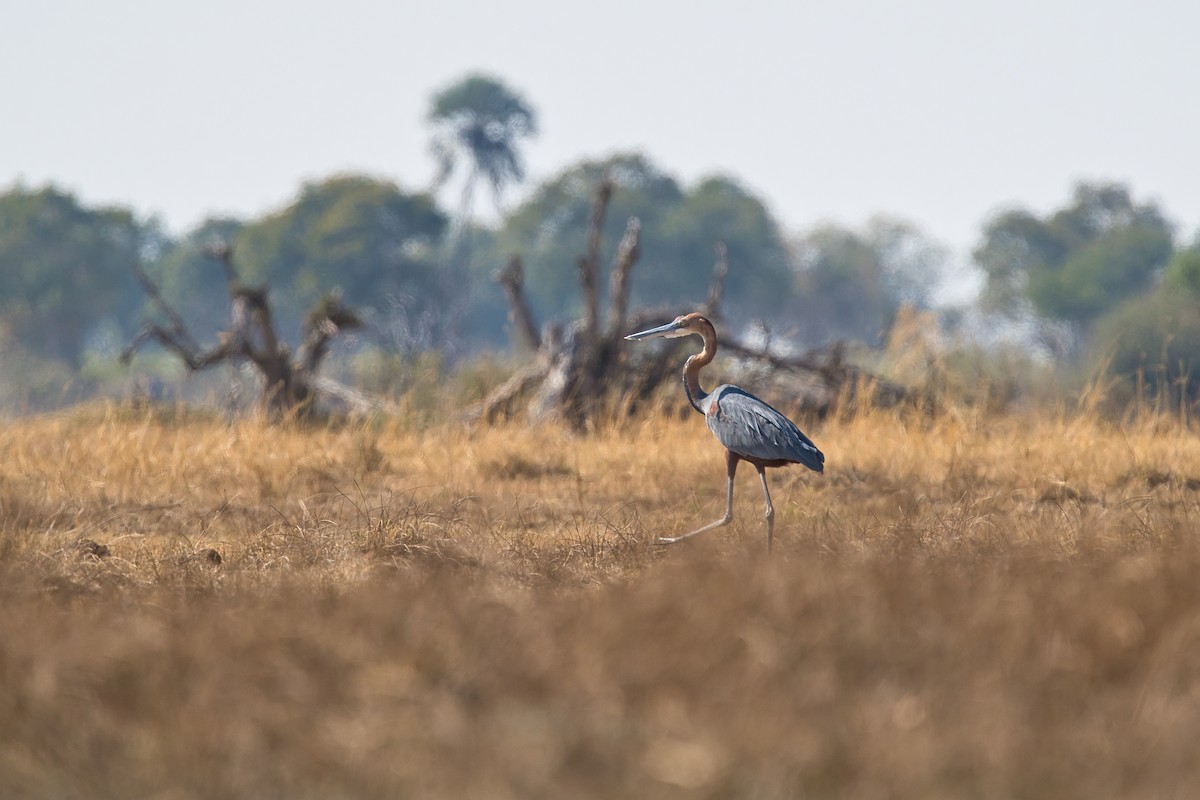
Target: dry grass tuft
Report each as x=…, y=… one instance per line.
x=960, y=606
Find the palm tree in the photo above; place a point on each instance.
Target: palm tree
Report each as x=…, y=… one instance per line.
x=482, y=119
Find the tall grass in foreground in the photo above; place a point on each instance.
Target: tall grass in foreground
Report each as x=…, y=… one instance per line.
x=961, y=606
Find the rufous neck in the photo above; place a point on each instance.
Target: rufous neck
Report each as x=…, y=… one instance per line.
x=691, y=370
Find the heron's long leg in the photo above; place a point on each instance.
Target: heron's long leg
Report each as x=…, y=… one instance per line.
x=762, y=474
x=731, y=462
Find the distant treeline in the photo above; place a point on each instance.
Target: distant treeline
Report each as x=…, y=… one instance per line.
x=423, y=277
x=1101, y=273
x=1104, y=277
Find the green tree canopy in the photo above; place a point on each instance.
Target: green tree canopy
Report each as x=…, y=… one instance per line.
x=1078, y=262
x=850, y=284
x=375, y=242
x=481, y=120
x=548, y=230
x=1154, y=340
x=719, y=207
x=680, y=229
x=1183, y=271
x=65, y=268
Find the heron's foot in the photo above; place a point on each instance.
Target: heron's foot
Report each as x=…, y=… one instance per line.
x=725, y=520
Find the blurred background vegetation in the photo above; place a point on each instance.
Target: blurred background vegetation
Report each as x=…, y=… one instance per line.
x=1099, y=292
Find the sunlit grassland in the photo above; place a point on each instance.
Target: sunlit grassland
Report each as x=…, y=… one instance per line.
x=960, y=606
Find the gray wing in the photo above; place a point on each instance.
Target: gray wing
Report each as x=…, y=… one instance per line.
x=749, y=427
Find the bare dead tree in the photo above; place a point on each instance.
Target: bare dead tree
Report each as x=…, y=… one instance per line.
x=511, y=279
x=289, y=381
x=628, y=252
x=579, y=367
x=589, y=264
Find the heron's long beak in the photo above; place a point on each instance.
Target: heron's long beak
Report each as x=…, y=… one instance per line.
x=662, y=330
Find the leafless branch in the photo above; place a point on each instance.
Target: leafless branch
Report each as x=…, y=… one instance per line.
x=627, y=255
x=223, y=253
x=826, y=362
x=499, y=401
x=324, y=323
x=177, y=328
x=589, y=263
x=252, y=311
x=512, y=280
x=716, y=289
x=180, y=345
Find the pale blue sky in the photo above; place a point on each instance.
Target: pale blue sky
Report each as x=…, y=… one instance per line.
x=937, y=112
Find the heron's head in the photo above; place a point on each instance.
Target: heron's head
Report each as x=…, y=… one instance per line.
x=680, y=326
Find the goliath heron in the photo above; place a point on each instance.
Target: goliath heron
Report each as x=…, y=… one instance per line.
x=749, y=429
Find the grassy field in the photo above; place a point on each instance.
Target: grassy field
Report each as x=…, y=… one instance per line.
x=960, y=607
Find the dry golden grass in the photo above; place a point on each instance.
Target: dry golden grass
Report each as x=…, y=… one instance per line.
x=964, y=607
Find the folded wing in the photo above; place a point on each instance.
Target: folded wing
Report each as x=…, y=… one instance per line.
x=749, y=427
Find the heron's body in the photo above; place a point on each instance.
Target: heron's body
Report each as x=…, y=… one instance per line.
x=756, y=432
x=750, y=429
